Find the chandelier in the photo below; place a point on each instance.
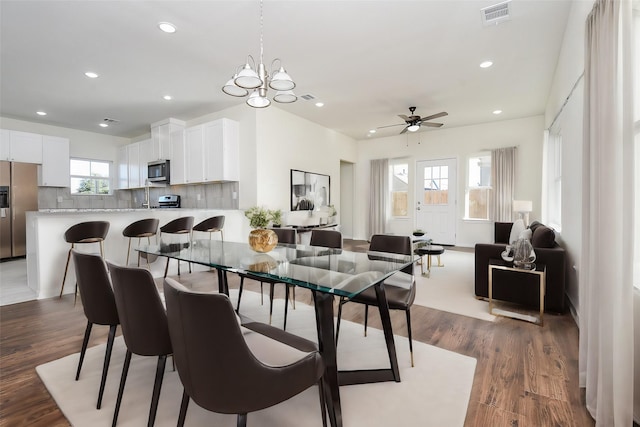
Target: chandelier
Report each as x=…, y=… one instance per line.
x=246, y=78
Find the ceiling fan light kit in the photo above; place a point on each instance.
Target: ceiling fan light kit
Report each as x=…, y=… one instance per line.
x=247, y=78
x=413, y=123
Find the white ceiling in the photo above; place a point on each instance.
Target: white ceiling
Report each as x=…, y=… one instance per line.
x=368, y=61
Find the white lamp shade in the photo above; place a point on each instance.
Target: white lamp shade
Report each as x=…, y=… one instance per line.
x=257, y=101
x=522, y=205
x=282, y=81
x=230, y=88
x=285, y=97
x=413, y=128
x=248, y=78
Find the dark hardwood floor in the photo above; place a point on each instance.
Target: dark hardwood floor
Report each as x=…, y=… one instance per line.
x=525, y=376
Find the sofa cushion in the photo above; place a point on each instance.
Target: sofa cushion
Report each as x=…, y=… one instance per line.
x=543, y=237
x=534, y=225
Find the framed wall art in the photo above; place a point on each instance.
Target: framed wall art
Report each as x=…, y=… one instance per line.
x=309, y=190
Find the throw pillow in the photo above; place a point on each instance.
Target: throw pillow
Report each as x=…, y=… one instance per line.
x=543, y=237
x=516, y=229
x=534, y=225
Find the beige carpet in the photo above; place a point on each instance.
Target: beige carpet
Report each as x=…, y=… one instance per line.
x=433, y=393
x=451, y=288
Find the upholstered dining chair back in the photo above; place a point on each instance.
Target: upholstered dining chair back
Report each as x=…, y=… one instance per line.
x=286, y=235
x=326, y=238
x=217, y=368
x=211, y=225
x=144, y=326
x=180, y=225
x=392, y=244
x=98, y=303
x=142, y=228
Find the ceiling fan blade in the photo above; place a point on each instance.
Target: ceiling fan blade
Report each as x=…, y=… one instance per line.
x=388, y=126
x=435, y=116
x=403, y=117
x=404, y=130
x=430, y=124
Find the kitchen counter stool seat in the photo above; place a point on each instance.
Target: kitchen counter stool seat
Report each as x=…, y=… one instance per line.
x=84, y=232
x=211, y=225
x=143, y=228
x=182, y=225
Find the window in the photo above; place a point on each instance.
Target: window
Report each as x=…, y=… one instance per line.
x=478, y=187
x=436, y=185
x=399, y=188
x=90, y=177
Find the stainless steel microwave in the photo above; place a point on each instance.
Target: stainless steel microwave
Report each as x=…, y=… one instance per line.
x=159, y=171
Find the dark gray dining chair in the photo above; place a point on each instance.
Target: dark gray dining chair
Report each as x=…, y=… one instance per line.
x=237, y=380
x=400, y=288
x=285, y=236
x=99, y=306
x=144, y=326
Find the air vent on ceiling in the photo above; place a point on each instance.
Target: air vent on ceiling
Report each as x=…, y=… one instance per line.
x=109, y=121
x=495, y=14
x=308, y=97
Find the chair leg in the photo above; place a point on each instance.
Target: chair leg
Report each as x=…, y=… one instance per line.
x=85, y=341
x=323, y=405
x=261, y=295
x=271, y=286
x=166, y=267
x=105, y=367
x=157, y=386
x=366, y=318
x=240, y=293
x=183, y=409
x=409, y=335
x=128, y=250
x=242, y=420
x=66, y=267
x=293, y=299
x=123, y=381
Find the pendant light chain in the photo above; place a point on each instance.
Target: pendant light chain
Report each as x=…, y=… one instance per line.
x=261, y=34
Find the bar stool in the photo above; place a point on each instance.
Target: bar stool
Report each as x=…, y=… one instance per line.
x=142, y=228
x=182, y=225
x=211, y=225
x=84, y=232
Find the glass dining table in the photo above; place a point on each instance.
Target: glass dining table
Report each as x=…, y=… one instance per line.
x=327, y=272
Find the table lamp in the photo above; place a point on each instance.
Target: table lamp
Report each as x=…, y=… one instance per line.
x=523, y=207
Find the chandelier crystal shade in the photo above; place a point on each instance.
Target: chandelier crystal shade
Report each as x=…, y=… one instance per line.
x=255, y=81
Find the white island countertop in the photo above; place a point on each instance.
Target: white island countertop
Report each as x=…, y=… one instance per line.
x=47, y=249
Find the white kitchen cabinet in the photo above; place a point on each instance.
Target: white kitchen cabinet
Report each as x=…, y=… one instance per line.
x=147, y=154
x=54, y=171
x=123, y=168
x=177, y=165
x=161, y=136
x=221, y=150
x=23, y=147
x=5, y=144
x=194, y=154
x=133, y=160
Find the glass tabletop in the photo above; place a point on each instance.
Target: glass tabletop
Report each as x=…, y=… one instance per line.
x=336, y=271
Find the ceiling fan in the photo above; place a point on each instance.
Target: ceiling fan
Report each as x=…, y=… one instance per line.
x=412, y=123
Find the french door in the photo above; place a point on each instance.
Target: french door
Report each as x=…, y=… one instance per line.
x=436, y=199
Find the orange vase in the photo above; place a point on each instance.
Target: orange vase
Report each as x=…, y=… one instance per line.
x=262, y=240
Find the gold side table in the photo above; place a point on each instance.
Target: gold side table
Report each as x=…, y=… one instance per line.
x=540, y=271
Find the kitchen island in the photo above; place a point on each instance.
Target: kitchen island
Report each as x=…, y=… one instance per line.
x=47, y=249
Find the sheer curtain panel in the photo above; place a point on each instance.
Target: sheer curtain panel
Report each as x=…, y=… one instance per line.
x=503, y=172
x=606, y=285
x=379, y=197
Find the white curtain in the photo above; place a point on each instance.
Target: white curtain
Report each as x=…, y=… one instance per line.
x=503, y=173
x=379, y=197
x=606, y=285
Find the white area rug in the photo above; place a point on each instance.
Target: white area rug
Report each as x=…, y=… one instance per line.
x=433, y=393
x=451, y=288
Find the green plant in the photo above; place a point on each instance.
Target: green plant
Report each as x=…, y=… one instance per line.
x=259, y=217
x=332, y=210
x=276, y=216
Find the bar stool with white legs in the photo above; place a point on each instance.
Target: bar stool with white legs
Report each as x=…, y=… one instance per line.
x=84, y=232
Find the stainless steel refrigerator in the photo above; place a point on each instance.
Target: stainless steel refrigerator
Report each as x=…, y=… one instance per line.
x=18, y=194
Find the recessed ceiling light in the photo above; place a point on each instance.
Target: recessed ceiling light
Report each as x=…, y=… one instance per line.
x=91, y=74
x=319, y=104
x=167, y=97
x=41, y=113
x=372, y=131
x=104, y=125
x=167, y=27
x=496, y=112
x=486, y=64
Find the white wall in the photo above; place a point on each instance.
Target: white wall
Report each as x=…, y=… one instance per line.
x=347, y=199
x=459, y=143
x=89, y=145
x=286, y=141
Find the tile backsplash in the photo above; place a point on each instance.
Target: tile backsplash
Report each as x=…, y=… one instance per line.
x=222, y=195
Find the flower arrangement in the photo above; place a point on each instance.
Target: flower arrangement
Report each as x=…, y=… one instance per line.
x=260, y=217
x=276, y=217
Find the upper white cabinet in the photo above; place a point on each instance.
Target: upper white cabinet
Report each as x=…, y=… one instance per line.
x=133, y=159
x=146, y=155
x=123, y=168
x=54, y=171
x=212, y=152
x=162, y=147
x=22, y=147
x=177, y=166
